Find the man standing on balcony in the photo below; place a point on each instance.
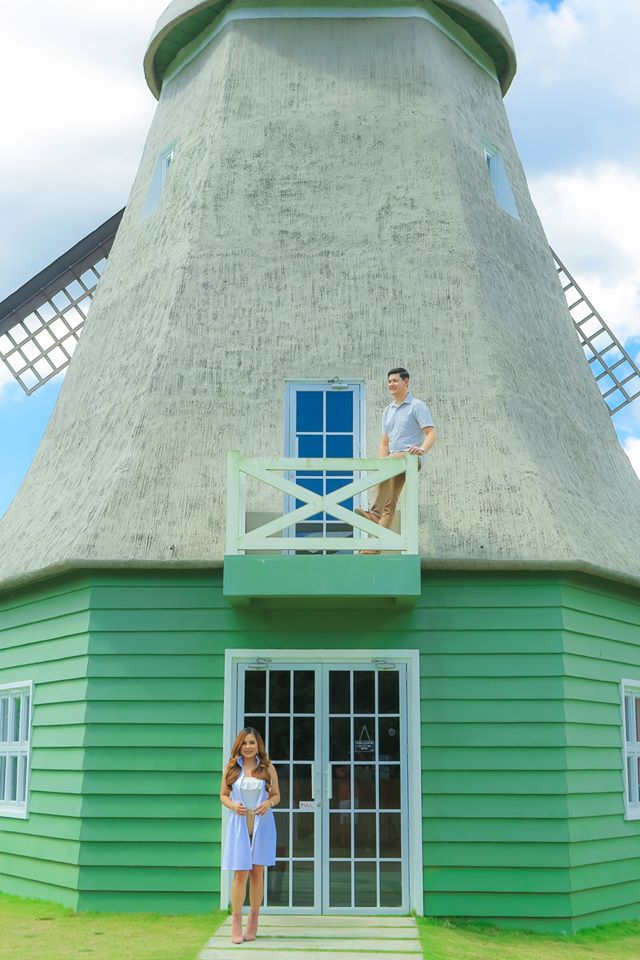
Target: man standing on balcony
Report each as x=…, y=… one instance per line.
x=407, y=427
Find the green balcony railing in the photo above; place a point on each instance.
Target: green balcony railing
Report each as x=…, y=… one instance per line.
x=276, y=531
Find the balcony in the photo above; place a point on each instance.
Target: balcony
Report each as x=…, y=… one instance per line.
x=293, y=537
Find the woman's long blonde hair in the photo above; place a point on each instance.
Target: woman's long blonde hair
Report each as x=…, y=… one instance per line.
x=233, y=769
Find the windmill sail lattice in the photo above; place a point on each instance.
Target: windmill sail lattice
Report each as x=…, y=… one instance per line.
x=615, y=371
x=41, y=323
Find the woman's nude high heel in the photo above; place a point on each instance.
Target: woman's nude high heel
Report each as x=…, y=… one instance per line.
x=236, y=928
x=252, y=925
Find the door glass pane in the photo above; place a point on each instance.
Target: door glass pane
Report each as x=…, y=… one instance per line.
x=310, y=446
x=365, y=835
x=390, y=884
x=364, y=695
x=339, y=446
x=341, y=786
x=339, y=691
x=309, y=411
x=304, y=738
x=389, y=778
x=284, y=781
x=304, y=691
x=340, y=885
x=340, y=411
x=303, y=884
x=388, y=691
x=278, y=746
x=389, y=738
x=340, y=835
x=390, y=835
x=255, y=691
x=280, y=691
x=278, y=885
x=364, y=732
x=365, y=786
x=301, y=782
x=282, y=833
x=303, y=826
x=258, y=724
x=365, y=885
x=340, y=739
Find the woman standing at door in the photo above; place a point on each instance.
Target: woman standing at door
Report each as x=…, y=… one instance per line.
x=249, y=846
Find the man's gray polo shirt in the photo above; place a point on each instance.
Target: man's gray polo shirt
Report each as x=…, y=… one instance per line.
x=403, y=423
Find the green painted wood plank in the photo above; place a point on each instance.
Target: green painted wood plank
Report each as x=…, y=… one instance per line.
x=156, y=735
x=520, y=758
x=180, y=665
x=40, y=848
x=153, y=758
x=34, y=889
x=167, y=902
x=195, y=689
x=149, y=806
x=166, y=830
x=149, y=854
x=43, y=871
x=517, y=782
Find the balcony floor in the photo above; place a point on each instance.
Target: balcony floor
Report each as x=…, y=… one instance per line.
x=316, y=581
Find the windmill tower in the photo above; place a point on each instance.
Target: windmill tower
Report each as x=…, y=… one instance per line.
x=326, y=191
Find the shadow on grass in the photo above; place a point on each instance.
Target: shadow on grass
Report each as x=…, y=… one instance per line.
x=466, y=940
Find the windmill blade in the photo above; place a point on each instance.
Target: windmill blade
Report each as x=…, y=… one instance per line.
x=616, y=372
x=40, y=323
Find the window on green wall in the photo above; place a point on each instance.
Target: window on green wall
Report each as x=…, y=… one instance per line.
x=15, y=745
x=631, y=715
x=500, y=181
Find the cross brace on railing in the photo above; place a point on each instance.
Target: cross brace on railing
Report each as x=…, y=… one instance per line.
x=276, y=473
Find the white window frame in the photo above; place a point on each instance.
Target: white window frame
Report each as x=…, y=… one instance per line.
x=21, y=748
x=630, y=749
x=500, y=181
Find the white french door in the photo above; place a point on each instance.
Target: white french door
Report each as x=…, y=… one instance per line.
x=337, y=735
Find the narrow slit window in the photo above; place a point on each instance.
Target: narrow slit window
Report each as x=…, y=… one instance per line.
x=15, y=747
x=160, y=175
x=500, y=181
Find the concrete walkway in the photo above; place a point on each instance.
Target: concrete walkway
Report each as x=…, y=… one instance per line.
x=323, y=938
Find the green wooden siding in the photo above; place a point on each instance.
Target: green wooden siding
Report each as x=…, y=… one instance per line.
x=521, y=745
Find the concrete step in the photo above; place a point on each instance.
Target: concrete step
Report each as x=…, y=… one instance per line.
x=340, y=920
x=231, y=953
x=289, y=945
x=314, y=930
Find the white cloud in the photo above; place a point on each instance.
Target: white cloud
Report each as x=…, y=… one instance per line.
x=632, y=449
x=591, y=220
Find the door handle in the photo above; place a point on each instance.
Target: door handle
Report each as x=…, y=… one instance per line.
x=329, y=785
x=313, y=781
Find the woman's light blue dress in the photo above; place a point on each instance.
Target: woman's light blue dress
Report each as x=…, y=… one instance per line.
x=239, y=852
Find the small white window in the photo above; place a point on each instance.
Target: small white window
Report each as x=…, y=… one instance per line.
x=15, y=744
x=631, y=733
x=500, y=181
x=160, y=174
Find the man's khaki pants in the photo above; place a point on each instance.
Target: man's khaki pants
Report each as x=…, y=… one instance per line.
x=387, y=496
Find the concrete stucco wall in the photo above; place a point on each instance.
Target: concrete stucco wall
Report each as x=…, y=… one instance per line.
x=328, y=213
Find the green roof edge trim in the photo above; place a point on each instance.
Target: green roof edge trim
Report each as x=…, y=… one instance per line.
x=173, y=45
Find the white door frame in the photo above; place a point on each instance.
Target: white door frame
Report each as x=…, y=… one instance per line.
x=414, y=787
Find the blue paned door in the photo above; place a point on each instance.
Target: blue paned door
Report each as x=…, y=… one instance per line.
x=323, y=420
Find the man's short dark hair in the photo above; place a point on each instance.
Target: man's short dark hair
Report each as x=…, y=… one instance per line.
x=404, y=374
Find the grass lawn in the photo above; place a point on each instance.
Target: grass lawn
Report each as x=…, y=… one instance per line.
x=37, y=930
x=466, y=941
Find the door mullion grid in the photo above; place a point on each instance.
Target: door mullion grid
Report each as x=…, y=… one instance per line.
x=404, y=784
x=291, y=775
x=376, y=734
x=352, y=814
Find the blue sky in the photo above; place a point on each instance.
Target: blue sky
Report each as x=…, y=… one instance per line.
x=79, y=115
